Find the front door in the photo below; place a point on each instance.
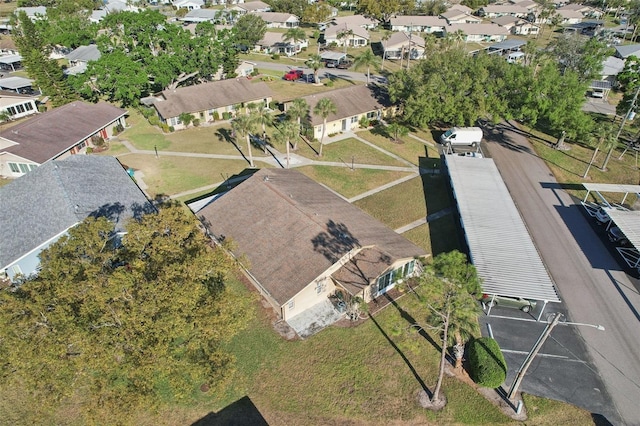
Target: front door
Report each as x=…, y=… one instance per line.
x=344, y=125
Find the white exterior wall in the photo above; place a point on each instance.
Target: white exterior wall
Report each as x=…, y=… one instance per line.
x=5, y=168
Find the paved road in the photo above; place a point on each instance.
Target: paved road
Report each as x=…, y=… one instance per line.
x=322, y=73
x=590, y=281
x=599, y=106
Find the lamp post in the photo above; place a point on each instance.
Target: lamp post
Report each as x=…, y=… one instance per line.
x=536, y=348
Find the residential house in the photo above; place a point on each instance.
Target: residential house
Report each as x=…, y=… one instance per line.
x=272, y=42
x=611, y=67
x=352, y=104
x=43, y=205
x=34, y=13
x=517, y=26
x=456, y=16
x=279, y=20
x=586, y=11
x=304, y=243
x=355, y=21
x=480, y=33
x=498, y=10
x=17, y=105
x=80, y=57
x=188, y=4
x=352, y=36
x=57, y=134
x=423, y=24
x=462, y=8
x=209, y=101
x=402, y=45
x=252, y=7
x=626, y=50
x=112, y=6
x=567, y=17
x=201, y=15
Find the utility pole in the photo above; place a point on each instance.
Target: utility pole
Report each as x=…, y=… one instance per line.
x=532, y=354
x=624, y=120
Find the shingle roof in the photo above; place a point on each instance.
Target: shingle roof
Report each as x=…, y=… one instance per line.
x=291, y=229
x=400, y=39
x=478, y=29
x=276, y=17
x=48, y=200
x=627, y=50
x=349, y=101
x=202, y=97
x=84, y=53
x=430, y=21
x=254, y=5
x=47, y=135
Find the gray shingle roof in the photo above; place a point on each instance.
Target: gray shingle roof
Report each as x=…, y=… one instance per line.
x=47, y=135
x=349, y=101
x=203, y=97
x=54, y=197
x=84, y=53
x=291, y=230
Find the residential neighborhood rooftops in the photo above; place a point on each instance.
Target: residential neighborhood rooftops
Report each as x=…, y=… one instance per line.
x=349, y=102
x=402, y=38
x=216, y=94
x=431, y=21
x=57, y=195
x=14, y=83
x=47, y=135
x=277, y=17
x=292, y=230
x=84, y=53
x=626, y=50
x=252, y=6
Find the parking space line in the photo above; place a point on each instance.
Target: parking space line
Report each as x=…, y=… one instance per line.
x=566, y=358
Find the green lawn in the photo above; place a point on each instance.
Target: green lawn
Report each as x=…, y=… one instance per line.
x=351, y=150
x=409, y=148
x=350, y=183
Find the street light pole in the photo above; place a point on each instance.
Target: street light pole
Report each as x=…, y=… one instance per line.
x=536, y=348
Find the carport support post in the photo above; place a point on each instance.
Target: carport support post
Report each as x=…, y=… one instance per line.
x=532, y=354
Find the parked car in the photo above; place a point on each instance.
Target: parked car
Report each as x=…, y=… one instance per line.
x=525, y=305
x=602, y=216
x=293, y=75
x=616, y=236
x=344, y=65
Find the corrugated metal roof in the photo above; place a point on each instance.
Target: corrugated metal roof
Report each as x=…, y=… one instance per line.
x=500, y=245
x=629, y=224
x=612, y=187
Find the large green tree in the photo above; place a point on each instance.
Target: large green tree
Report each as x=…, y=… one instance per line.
x=582, y=56
x=249, y=30
x=113, y=329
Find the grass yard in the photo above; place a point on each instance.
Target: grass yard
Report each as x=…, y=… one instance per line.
x=171, y=175
x=350, y=183
x=350, y=150
x=397, y=206
x=287, y=90
x=410, y=149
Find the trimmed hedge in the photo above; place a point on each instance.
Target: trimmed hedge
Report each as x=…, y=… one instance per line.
x=487, y=364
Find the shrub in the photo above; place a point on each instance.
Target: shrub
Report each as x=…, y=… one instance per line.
x=196, y=122
x=154, y=120
x=164, y=127
x=275, y=56
x=89, y=150
x=226, y=116
x=118, y=129
x=329, y=83
x=255, y=72
x=364, y=122
x=216, y=116
x=172, y=129
x=487, y=364
x=274, y=105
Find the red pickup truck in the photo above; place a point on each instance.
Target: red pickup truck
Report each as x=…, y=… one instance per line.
x=293, y=75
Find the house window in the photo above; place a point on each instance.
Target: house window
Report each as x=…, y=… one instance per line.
x=33, y=166
x=291, y=305
x=354, y=119
x=12, y=111
x=24, y=168
x=320, y=287
x=21, y=108
x=81, y=145
x=14, y=167
x=16, y=270
x=28, y=106
x=372, y=115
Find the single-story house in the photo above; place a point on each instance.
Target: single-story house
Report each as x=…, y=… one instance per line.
x=304, y=243
x=80, y=57
x=252, y=7
x=207, y=101
x=479, y=32
x=401, y=45
x=16, y=105
x=353, y=36
x=568, y=17
x=355, y=21
x=517, y=26
x=43, y=205
x=188, y=4
x=586, y=11
x=272, y=43
x=456, y=16
x=352, y=104
x=201, y=15
x=57, y=134
x=34, y=13
x=496, y=10
x=279, y=20
x=423, y=24
x=611, y=67
x=623, y=51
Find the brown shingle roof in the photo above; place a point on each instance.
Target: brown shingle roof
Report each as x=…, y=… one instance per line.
x=47, y=135
x=217, y=94
x=362, y=269
x=292, y=229
x=349, y=101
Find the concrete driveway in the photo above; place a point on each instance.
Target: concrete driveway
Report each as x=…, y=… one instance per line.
x=590, y=281
x=599, y=106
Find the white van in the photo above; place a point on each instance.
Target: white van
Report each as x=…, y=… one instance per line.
x=515, y=57
x=462, y=136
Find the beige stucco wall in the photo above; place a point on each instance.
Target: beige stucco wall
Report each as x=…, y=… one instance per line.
x=308, y=297
x=208, y=115
x=336, y=126
x=5, y=159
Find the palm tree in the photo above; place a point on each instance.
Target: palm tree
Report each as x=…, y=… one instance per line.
x=344, y=35
x=386, y=36
x=315, y=63
x=243, y=126
x=324, y=108
x=605, y=138
x=294, y=35
x=288, y=131
x=367, y=59
x=298, y=110
x=264, y=117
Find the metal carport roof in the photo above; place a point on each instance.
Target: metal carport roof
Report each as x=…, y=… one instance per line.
x=629, y=224
x=500, y=245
